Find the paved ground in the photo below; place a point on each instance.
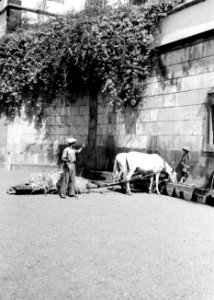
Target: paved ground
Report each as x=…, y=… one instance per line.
x=104, y=246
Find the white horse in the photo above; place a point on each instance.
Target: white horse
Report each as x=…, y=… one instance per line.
x=127, y=163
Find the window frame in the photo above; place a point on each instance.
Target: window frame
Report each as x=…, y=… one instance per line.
x=207, y=146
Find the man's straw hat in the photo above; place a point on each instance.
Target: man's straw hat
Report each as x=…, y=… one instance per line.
x=71, y=140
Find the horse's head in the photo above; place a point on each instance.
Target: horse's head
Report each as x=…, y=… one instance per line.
x=173, y=176
x=171, y=172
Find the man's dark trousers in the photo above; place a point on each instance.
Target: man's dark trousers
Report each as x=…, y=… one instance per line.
x=68, y=181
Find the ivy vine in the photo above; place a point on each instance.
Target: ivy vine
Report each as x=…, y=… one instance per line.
x=102, y=49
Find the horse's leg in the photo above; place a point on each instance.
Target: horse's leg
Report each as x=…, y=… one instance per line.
x=119, y=176
x=151, y=183
x=128, y=177
x=156, y=182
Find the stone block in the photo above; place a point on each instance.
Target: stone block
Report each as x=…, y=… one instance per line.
x=169, y=142
x=175, y=128
x=177, y=71
x=140, y=128
x=169, y=100
x=209, y=79
x=140, y=142
x=74, y=130
x=144, y=116
x=74, y=110
x=165, y=114
x=59, y=120
x=58, y=110
x=148, y=128
x=152, y=102
x=191, y=97
x=67, y=111
x=153, y=89
x=179, y=114
x=170, y=86
x=208, y=47
x=120, y=129
x=125, y=141
x=83, y=110
x=197, y=67
x=153, y=115
x=71, y=120
x=174, y=57
x=82, y=120
x=50, y=120
x=59, y=130
x=195, y=51
x=203, y=80
x=188, y=83
x=65, y=130
x=184, y=113
x=83, y=130
x=197, y=127
x=50, y=130
x=197, y=142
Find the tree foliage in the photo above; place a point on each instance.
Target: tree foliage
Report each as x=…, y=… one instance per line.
x=99, y=49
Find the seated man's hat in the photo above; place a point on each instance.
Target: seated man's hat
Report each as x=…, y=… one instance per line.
x=185, y=148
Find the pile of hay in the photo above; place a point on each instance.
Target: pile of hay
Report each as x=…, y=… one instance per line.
x=46, y=183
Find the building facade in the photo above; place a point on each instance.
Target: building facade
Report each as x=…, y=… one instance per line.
x=177, y=109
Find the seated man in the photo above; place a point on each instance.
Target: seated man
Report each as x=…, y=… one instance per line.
x=185, y=164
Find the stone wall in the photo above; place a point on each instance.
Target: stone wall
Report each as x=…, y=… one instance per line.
x=32, y=147
x=172, y=113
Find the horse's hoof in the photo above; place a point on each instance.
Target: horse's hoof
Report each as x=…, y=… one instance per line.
x=129, y=194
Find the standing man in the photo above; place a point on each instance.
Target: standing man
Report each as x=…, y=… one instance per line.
x=185, y=164
x=69, y=169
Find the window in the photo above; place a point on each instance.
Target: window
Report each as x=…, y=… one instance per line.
x=209, y=138
x=211, y=125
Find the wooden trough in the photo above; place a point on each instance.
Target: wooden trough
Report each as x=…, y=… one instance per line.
x=180, y=190
x=191, y=192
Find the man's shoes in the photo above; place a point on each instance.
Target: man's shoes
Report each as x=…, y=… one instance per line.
x=62, y=196
x=71, y=195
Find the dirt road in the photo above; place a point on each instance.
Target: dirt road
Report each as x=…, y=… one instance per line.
x=104, y=246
